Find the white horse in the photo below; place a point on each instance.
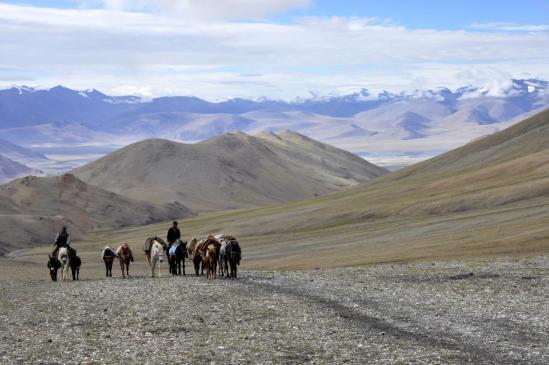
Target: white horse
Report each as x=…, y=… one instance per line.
x=65, y=260
x=156, y=256
x=223, y=264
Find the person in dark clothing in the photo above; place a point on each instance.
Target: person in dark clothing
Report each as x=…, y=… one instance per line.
x=173, y=233
x=61, y=240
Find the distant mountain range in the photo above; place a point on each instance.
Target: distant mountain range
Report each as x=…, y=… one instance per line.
x=388, y=128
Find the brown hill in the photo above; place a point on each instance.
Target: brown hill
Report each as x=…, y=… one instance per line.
x=233, y=170
x=33, y=208
x=490, y=197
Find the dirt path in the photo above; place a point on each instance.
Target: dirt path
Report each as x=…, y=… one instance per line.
x=422, y=314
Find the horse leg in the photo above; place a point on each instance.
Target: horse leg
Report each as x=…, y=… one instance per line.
x=183, y=265
x=128, y=268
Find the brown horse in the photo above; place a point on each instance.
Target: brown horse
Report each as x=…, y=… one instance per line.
x=125, y=256
x=195, y=250
x=211, y=256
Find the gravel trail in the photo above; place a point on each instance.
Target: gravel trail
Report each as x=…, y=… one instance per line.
x=429, y=313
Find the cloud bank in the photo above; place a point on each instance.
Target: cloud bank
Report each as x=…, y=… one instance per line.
x=150, y=48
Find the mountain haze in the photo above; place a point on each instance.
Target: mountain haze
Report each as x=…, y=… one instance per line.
x=233, y=170
x=391, y=129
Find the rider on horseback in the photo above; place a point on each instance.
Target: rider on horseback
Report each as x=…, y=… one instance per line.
x=61, y=240
x=173, y=233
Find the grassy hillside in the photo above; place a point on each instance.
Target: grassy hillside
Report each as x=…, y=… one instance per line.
x=488, y=198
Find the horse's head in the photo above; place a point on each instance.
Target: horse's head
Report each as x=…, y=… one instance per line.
x=125, y=249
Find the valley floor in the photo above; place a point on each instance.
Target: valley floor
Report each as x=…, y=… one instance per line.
x=425, y=313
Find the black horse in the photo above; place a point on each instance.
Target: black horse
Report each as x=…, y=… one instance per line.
x=233, y=256
x=177, y=258
x=108, y=256
x=75, y=263
x=53, y=265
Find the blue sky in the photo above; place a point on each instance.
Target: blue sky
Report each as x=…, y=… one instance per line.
x=276, y=48
x=414, y=13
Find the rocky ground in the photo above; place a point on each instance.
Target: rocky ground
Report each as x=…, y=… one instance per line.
x=428, y=313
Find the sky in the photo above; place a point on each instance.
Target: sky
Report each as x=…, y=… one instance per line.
x=281, y=49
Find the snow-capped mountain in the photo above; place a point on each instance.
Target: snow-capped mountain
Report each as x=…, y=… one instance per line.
x=384, y=125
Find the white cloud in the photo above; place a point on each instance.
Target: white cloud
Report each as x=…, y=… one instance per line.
x=207, y=9
x=511, y=27
x=157, y=53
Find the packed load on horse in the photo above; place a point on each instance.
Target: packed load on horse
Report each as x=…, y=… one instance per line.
x=148, y=245
x=154, y=248
x=195, y=250
x=211, y=256
x=230, y=255
x=125, y=256
x=108, y=254
x=176, y=257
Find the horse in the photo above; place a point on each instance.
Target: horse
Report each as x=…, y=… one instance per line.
x=64, y=259
x=157, y=245
x=108, y=254
x=211, y=256
x=177, y=256
x=125, y=256
x=223, y=264
x=223, y=267
x=195, y=249
x=234, y=255
x=75, y=264
x=53, y=265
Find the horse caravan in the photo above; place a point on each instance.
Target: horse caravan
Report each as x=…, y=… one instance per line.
x=217, y=255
